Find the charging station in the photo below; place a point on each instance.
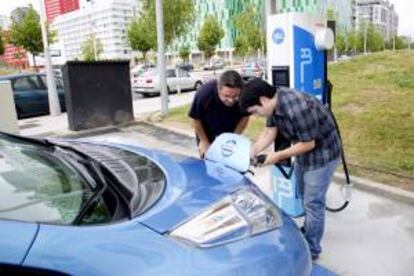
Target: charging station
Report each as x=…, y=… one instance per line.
x=296, y=48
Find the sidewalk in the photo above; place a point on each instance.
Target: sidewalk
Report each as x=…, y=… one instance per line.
x=58, y=125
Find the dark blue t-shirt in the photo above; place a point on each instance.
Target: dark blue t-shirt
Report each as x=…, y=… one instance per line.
x=215, y=116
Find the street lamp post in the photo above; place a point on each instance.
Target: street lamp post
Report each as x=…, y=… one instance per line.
x=161, y=57
x=365, y=34
x=54, y=105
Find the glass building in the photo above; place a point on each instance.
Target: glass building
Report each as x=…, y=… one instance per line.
x=283, y=6
x=343, y=11
x=226, y=10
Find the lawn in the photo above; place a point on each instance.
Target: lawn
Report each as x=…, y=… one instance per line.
x=373, y=101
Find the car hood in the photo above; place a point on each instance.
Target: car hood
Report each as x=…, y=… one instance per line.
x=192, y=185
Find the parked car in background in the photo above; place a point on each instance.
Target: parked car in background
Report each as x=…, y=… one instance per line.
x=141, y=68
x=214, y=64
x=148, y=83
x=186, y=66
x=112, y=207
x=253, y=69
x=56, y=71
x=344, y=58
x=31, y=95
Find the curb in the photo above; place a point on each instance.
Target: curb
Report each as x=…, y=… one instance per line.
x=377, y=188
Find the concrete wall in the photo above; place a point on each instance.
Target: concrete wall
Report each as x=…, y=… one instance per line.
x=8, y=116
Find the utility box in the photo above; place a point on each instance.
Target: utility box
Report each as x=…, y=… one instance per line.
x=97, y=93
x=8, y=115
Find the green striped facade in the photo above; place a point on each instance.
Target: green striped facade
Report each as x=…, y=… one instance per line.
x=226, y=10
x=283, y=6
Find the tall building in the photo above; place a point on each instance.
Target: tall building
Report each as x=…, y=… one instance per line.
x=105, y=20
x=283, y=6
x=224, y=11
x=14, y=56
x=55, y=8
x=343, y=12
x=380, y=13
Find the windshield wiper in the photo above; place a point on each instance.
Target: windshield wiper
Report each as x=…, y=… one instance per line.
x=31, y=140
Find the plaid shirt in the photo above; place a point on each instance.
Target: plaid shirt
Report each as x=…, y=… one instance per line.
x=302, y=118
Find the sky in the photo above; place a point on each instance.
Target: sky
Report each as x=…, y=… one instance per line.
x=404, y=8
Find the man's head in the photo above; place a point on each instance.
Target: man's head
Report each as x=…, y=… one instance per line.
x=257, y=98
x=229, y=87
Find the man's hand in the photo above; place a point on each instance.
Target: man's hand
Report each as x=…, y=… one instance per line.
x=273, y=158
x=253, y=153
x=202, y=148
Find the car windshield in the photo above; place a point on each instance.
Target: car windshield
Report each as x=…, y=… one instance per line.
x=250, y=64
x=38, y=186
x=150, y=73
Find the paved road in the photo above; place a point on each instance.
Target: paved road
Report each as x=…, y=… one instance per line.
x=373, y=236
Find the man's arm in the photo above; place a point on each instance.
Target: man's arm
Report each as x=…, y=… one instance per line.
x=241, y=125
x=297, y=149
x=204, y=143
x=267, y=137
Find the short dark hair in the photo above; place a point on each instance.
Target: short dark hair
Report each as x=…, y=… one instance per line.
x=230, y=79
x=252, y=91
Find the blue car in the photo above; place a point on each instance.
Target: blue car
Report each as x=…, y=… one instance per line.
x=114, y=208
x=30, y=93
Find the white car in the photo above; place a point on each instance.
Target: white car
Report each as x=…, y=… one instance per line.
x=148, y=83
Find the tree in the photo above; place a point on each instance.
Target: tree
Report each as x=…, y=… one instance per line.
x=92, y=48
x=400, y=43
x=241, y=46
x=341, y=44
x=2, y=46
x=141, y=35
x=375, y=40
x=249, y=34
x=352, y=41
x=18, y=14
x=210, y=36
x=26, y=33
x=178, y=16
x=184, y=53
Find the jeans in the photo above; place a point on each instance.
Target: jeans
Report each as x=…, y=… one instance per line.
x=313, y=185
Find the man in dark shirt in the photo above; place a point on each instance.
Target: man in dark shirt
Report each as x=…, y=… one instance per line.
x=215, y=109
x=309, y=126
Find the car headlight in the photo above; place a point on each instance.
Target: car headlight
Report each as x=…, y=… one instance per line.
x=241, y=214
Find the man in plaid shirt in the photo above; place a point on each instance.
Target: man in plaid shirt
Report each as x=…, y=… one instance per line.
x=309, y=126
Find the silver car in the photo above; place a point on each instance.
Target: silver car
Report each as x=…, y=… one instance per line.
x=148, y=83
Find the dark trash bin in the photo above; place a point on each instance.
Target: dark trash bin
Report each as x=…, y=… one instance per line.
x=97, y=93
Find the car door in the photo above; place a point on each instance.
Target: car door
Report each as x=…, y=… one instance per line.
x=28, y=95
x=171, y=79
x=186, y=82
